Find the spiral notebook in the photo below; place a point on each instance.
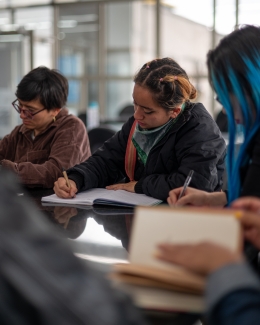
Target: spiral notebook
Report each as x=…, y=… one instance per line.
x=106, y=197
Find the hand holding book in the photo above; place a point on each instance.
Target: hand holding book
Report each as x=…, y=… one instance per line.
x=198, y=257
x=180, y=265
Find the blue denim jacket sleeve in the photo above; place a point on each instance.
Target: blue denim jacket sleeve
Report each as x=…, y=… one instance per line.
x=233, y=296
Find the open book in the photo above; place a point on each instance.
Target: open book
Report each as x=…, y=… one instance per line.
x=104, y=196
x=155, y=284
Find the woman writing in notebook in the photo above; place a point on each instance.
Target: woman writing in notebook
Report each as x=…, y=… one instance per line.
x=156, y=148
x=234, y=73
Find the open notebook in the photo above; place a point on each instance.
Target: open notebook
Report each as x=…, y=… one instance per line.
x=155, y=284
x=104, y=196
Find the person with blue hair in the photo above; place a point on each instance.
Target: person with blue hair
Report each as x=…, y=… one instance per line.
x=233, y=291
x=234, y=74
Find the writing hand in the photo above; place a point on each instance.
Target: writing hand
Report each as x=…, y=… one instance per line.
x=62, y=190
x=196, y=197
x=130, y=187
x=197, y=257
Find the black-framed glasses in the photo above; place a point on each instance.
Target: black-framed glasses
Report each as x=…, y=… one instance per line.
x=26, y=112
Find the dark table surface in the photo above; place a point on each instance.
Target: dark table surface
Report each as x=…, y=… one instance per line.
x=101, y=236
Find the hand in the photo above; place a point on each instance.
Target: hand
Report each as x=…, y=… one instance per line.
x=63, y=214
x=196, y=197
x=250, y=219
x=251, y=227
x=9, y=165
x=62, y=190
x=129, y=187
x=247, y=203
x=203, y=258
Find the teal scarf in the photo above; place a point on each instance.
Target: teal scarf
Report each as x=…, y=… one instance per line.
x=145, y=140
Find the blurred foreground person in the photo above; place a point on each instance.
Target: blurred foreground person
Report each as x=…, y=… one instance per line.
x=49, y=139
x=233, y=290
x=234, y=74
x=41, y=280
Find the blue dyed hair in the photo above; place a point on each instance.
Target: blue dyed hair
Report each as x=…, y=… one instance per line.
x=234, y=74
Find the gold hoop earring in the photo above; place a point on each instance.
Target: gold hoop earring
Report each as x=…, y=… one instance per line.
x=54, y=118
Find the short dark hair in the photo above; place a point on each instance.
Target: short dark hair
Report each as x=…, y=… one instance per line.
x=47, y=85
x=167, y=81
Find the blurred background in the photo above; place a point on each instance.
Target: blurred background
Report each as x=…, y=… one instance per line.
x=99, y=45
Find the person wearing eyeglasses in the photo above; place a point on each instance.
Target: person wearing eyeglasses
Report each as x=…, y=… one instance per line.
x=49, y=139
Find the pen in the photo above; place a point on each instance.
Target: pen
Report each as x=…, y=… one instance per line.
x=66, y=177
x=186, y=184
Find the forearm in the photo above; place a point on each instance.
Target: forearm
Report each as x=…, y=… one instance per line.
x=218, y=199
x=38, y=175
x=93, y=173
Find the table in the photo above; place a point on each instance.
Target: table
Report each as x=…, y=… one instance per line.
x=101, y=234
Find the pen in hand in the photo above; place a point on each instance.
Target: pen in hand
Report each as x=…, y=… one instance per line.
x=66, y=177
x=186, y=184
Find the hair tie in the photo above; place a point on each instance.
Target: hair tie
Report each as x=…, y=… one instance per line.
x=147, y=67
x=175, y=77
x=161, y=79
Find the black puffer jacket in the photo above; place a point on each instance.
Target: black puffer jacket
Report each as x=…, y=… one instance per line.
x=194, y=142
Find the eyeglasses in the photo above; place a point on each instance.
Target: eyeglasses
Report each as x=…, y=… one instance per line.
x=26, y=112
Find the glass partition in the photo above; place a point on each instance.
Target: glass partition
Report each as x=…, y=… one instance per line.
x=99, y=45
x=14, y=52
x=39, y=21
x=78, y=35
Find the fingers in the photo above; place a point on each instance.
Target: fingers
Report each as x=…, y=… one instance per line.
x=130, y=187
x=247, y=203
x=187, y=200
x=62, y=190
x=175, y=254
x=173, y=196
x=191, y=196
x=194, y=199
x=197, y=257
x=115, y=187
x=250, y=219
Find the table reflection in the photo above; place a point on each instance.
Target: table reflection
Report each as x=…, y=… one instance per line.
x=101, y=233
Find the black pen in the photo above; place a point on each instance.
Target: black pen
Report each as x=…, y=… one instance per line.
x=186, y=184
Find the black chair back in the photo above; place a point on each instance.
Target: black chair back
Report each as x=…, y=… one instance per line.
x=97, y=136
